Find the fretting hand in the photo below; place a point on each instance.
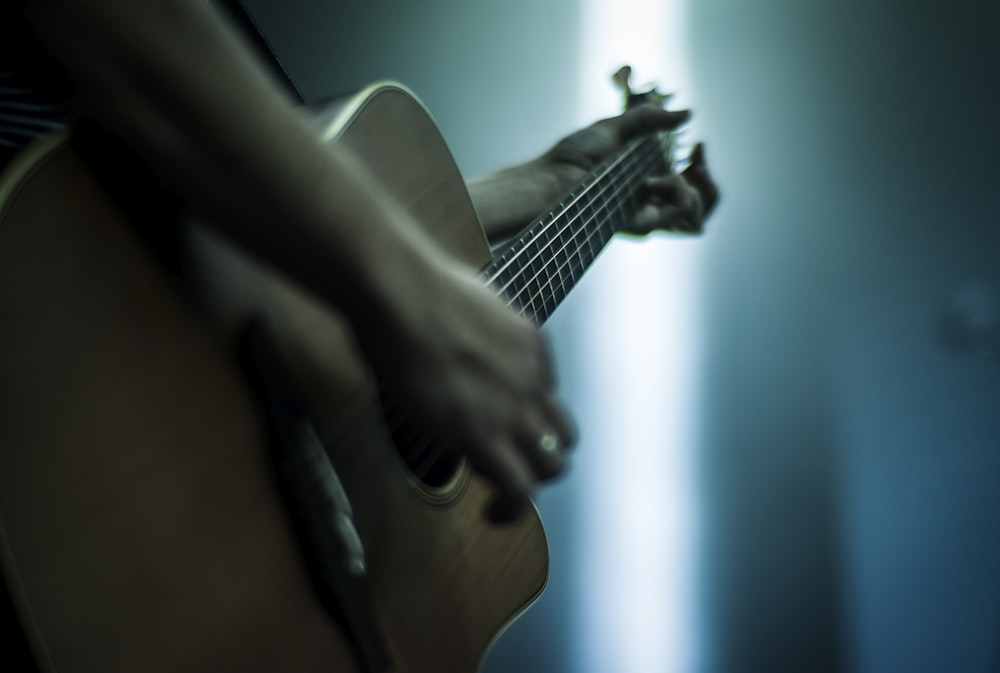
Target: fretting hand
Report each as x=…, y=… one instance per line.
x=478, y=378
x=509, y=199
x=678, y=202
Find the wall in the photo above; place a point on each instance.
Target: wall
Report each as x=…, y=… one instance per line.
x=848, y=457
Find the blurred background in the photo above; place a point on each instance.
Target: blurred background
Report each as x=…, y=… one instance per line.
x=790, y=454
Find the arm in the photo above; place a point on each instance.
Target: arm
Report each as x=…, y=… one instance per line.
x=170, y=79
x=507, y=200
x=173, y=82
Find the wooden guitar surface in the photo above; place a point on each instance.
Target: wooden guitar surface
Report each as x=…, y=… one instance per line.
x=141, y=526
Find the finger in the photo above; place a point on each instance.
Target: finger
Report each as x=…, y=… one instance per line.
x=546, y=436
x=674, y=190
x=543, y=448
x=698, y=176
x=505, y=468
x=698, y=155
x=553, y=412
x=661, y=189
x=666, y=218
x=647, y=118
x=561, y=422
x=512, y=477
x=547, y=369
x=502, y=510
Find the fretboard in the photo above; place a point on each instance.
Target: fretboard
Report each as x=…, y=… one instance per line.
x=536, y=271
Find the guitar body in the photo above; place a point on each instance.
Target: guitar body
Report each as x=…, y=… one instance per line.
x=142, y=528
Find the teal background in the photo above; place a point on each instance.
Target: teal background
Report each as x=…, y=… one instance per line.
x=849, y=454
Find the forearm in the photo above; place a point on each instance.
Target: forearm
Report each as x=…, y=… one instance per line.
x=510, y=199
x=169, y=79
x=473, y=373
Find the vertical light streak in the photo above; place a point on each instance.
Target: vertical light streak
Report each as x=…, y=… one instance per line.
x=639, y=340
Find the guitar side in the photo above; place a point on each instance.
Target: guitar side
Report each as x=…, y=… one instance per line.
x=142, y=529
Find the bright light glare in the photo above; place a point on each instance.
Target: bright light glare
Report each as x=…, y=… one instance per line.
x=637, y=571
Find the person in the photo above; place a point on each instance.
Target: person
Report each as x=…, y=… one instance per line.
x=173, y=81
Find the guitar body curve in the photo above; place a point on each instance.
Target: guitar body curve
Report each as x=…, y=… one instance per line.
x=141, y=526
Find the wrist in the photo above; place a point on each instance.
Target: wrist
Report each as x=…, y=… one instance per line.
x=508, y=200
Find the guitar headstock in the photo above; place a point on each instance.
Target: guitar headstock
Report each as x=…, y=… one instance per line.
x=622, y=79
x=669, y=142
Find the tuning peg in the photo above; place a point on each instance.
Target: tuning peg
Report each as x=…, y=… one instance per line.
x=652, y=96
x=622, y=79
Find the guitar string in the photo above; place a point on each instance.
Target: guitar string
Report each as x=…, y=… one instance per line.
x=422, y=456
x=537, y=298
x=589, y=216
x=656, y=148
x=556, y=221
x=603, y=215
x=585, y=192
x=425, y=463
x=639, y=164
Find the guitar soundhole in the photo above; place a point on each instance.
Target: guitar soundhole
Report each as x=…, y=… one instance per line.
x=440, y=476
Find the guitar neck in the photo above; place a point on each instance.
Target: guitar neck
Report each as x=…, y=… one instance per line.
x=538, y=269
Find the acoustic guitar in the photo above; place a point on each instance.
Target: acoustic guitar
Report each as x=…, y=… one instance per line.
x=142, y=525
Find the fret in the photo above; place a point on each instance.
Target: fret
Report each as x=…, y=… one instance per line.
x=514, y=300
x=536, y=272
x=545, y=275
x=531, y=309
x=562, y=274
x=560, y=257
x=532, y=248
x=533, y=288
x=543, y=233
x=555, y=298
x=573, y=211
x=567, y=266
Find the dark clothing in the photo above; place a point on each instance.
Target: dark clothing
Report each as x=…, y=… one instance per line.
x=33, y=102
x=35, y=97
x=34, y=93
